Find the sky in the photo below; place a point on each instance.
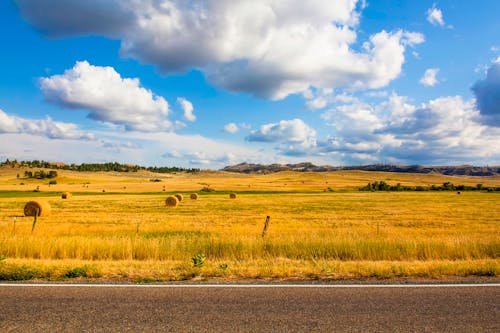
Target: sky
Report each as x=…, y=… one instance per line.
x=212, y=83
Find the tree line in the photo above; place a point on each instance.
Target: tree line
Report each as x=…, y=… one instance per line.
x=447, y=186
x=40, y=174
x=110, y=166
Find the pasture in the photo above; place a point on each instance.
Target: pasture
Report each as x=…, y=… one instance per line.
x=320, y=227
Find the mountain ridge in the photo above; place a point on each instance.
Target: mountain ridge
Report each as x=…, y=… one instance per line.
x=459, y=170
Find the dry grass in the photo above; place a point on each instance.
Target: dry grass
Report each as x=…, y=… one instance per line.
x=224, y=181
x=410, y=231
x=312, y=234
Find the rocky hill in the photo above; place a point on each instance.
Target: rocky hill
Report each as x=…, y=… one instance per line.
x=462, y=170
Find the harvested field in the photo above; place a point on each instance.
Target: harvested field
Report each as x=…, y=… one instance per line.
x=311, y=235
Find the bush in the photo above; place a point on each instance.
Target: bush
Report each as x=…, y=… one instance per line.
x=82, y=271
x=198, y=260
x=9, y=272
x=207, y=189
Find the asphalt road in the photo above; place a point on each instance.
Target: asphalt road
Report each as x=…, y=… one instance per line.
x=249, y=309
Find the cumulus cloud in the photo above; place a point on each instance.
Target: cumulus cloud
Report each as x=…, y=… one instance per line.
x=317, y=103
x=443, y=131
x=321, y=98
x=281, y=48
x=202, y=157
x=353, y=134
x=231, y=128
x=196, y=150
x=42, y=127
x=187, y=107
x=487, y=94
x=435, y=16
x=108, y=97
x=429, y=79
x=294, y=136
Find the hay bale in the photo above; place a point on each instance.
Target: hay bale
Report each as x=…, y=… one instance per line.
x=172, y=201
x=179, y=197
x=232, y=195
x=31, y=207
x=194, y=196
x=66, y=195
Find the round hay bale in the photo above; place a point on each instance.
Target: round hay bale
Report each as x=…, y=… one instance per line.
x=179, y=197
x=232, y=195
x=66, y=195
x=194, y=196
x=31, y=208
x=172, y=201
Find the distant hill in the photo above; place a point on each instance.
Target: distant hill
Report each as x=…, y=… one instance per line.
x=460, y=170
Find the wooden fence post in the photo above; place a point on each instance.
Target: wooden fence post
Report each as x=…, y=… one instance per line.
x=34, y=220
x=268, y=218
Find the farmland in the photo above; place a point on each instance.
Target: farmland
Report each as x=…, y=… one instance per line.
x=116, y=227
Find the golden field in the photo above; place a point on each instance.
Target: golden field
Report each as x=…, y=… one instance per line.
x=320, y=227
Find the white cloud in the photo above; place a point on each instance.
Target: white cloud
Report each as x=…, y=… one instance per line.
x=321, y=98
x=281, y=48
x=435, y=16
x=294, y=136
x=429, y=79
x=108, y=97
x=348, y=119
x=202, y=158
x=187, y=107
x=231, y=128
x=377, y=94
x=445, y=130
x=195, y=150
x=24, y=146
x=42, y=127
x=317, y=103
x=158, y=148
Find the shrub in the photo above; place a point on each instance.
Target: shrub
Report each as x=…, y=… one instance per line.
x=82, y=271
x=12, y=272
x=198, y=260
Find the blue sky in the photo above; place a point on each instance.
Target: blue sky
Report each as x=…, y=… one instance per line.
x=212, y=83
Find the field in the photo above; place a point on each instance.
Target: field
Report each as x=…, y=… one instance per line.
x=116, y=227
